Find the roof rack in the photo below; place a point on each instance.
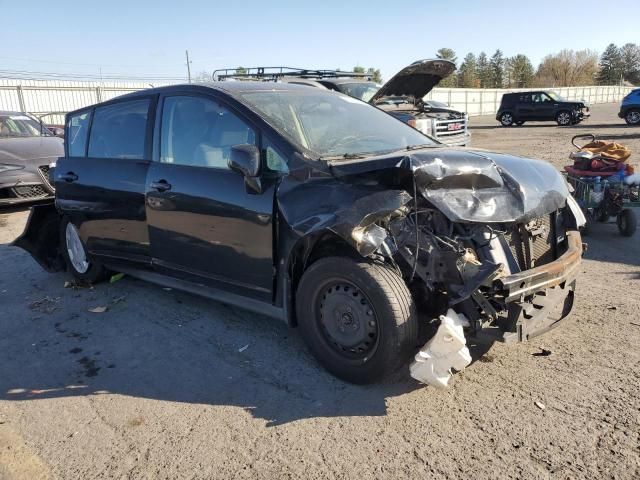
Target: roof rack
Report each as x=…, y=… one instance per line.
x=275, y=73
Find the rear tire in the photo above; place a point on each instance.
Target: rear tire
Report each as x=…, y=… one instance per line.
x=563, y=118
x=632, y=117
x=627, y=223
x=357, y=318
x=506, y=119
x=81, y=266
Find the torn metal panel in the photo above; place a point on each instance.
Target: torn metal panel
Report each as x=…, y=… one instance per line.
x=473, y=186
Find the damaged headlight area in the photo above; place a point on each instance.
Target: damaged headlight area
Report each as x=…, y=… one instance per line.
x=516, y=278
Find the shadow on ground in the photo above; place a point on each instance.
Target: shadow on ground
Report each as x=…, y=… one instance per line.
x=169, y=346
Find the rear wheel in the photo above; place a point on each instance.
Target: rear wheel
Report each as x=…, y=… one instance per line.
x=632, y=117
x=563, y=118
x=506, y=119
x=78, y=262
x=357, y=318
x=627, y=222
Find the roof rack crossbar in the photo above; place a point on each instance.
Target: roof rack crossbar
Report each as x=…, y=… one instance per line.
x=274, y=73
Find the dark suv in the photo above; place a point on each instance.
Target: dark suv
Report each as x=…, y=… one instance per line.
x=520, y=107
x=630, y=107
x=315, y=208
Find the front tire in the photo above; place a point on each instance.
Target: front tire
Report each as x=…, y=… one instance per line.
x=81, y=266
x=506, y=119
x=632, y=117
x=627, y=223
x=357, y=318
x=563, y=118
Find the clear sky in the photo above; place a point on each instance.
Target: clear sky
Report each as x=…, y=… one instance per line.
x=149, y=37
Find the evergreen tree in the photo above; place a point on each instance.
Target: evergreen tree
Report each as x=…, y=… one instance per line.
x=375, y=75
x=497, y=64
x=468, y=74
x=610, y=66
x=483, y=70
x=520, y=72
x=448, y=54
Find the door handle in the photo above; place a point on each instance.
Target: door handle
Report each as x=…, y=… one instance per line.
x=161, y=185
x=69, y=177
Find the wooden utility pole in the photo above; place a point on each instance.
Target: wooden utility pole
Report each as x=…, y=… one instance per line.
x=186, y=52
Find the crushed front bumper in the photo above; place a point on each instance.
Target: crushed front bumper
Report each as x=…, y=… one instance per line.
x=540, y=298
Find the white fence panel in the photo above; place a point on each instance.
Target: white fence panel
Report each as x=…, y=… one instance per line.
x=48, y=96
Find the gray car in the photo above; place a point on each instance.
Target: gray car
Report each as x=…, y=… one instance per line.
x=27, y=148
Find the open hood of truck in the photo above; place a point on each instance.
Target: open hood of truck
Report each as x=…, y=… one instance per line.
x=416, y=80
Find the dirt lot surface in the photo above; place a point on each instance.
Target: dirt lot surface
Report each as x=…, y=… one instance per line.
x=167, y=385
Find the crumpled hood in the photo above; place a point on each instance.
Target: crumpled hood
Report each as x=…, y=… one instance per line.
x=32, y=150
x=472, y=185
x=416, y=80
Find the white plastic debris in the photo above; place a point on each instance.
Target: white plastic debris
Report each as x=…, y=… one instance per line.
x=447, y=349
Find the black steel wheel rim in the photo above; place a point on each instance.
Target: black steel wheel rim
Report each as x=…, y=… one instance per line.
x=347, y=320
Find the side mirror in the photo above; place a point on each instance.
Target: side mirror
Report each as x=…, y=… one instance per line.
x=245, y=159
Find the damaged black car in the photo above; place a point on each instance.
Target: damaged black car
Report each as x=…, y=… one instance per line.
x=319, y=209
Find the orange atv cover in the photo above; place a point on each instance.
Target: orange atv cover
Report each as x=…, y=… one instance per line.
x=607, y=150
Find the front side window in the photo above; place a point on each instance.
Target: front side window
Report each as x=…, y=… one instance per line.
x=362, y=90
x=200, y=132
x=119, y=130
x=78, y=129
x=331, y=124
x=20, y=125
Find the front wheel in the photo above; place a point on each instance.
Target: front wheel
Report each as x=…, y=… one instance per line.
x=357, y=318
x=632, y=117
x=75, y=255
x=627, y=223
x=506, y=119
x=563, y=118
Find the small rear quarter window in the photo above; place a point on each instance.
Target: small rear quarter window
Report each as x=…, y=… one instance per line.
x=78, y=129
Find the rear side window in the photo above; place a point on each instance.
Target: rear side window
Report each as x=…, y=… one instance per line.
x=119, y=130
x=78, y=129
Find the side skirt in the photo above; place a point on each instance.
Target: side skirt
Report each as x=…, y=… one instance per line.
x=246, y=303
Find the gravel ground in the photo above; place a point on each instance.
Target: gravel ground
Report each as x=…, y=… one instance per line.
x=168, y=385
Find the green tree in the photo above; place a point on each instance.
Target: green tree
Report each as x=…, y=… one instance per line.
x=358, y=69
x=520, y=72
x=483, y=70
x=241, y=71
x=448, y=54
x=497, y=64
x=630, y=57
x=611, y=69
x=375, y=75
x=468, y=73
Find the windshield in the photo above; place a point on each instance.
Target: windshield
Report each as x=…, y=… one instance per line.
x=19, y=126
x=555, y=97
x=331, y=124
x=362, y=90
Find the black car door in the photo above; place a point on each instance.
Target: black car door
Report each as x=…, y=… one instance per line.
x=205, y=224
x=100, y=183
x=524, y=108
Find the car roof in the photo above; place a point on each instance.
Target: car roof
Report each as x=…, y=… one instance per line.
x=9, y=112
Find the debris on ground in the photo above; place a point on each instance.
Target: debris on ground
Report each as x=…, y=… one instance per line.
x=116, y=277
x=119, y=299
x=542, y=353
x=98, y=309
x=611, y=307
x=242, y=349
x=45, y=305
x=539, y=405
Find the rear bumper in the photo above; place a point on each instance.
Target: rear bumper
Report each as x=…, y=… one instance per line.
x=540, y=298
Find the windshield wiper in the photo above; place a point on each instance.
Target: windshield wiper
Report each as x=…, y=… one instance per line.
x=417, y=147
x=346, y=156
